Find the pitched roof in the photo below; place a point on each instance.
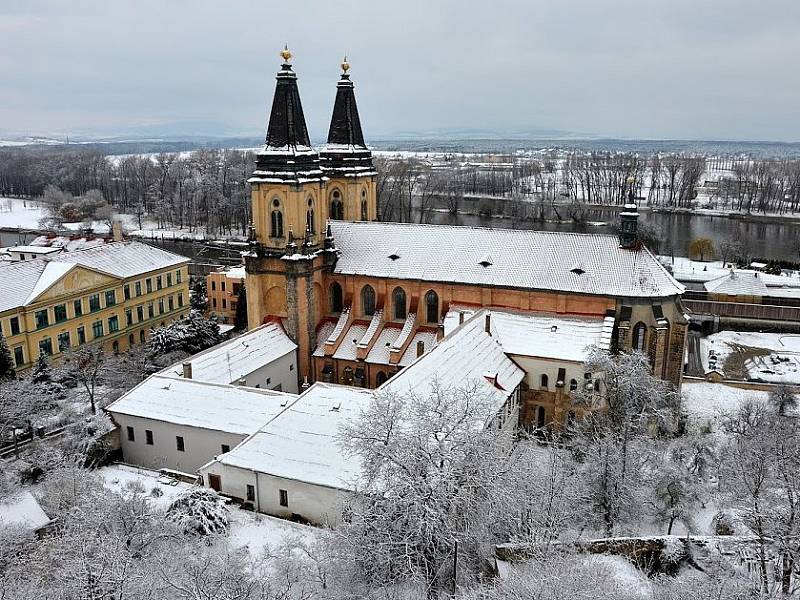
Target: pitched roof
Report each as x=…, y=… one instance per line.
x=550, y=336
x=228, y=408
x=22, y=510
x=233, y=359
x=467, y=358
x=739, y=283
x=517, y=258
x=302, y=442
x=24, y=281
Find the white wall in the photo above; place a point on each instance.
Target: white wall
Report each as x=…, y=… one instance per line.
x=201, y=445
x=535, y=367
x=315, y=503
x=281, y=372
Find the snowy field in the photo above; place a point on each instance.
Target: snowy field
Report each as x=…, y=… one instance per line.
x=15, y=212
x=767, y=357
x=706, y=404
x=253, y=530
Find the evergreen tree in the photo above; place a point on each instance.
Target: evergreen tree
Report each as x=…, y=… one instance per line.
x=198, y=298
x=241, y=310
x=42, y=373
x=7, y=367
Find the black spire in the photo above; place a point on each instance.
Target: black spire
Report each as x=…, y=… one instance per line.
x=288, y=153
x=345, y=150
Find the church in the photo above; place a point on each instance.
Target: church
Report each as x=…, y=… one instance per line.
x=363, y=299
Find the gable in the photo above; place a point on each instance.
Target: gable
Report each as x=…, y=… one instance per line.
x=74, y=280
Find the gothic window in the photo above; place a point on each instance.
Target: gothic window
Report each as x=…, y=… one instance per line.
x=368, y=300
x=432, y=307
x=310, y=220
x=364, y=211
x=380, y=378
x=540, y=417
x=639, y=331
x=399, y=304
x=337, y=208
x=543, y=381
x=276, y=229
x=336, y=297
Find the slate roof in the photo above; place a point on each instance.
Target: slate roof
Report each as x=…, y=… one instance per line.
x=236, y=358
x=517, y=259
x=21, y=281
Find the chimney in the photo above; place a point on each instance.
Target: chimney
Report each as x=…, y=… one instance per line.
x=488, y=325
x=187, y=370
x=420, y=348
x=461, y=317
x=116, y=231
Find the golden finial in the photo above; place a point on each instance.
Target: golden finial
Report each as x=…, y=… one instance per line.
x=345, y=65
x=285, y=54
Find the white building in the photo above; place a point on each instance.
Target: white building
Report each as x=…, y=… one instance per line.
x=293, y=466
x=21, y=253
x=180, y=424
x=264, y=357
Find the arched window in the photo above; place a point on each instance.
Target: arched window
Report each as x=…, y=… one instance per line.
x=115, y=347
x=368, y=300
x=364, y=211
x=336, y=297
x=310, y=221
x=573, y=385
x=380, y=378
x=540, y=417
x=399, y=304
x=639, y=332
x=141, y=336
x=544, y=381
x=276, y=228
x=432, y=307
x=337, y=208
x=131, y=340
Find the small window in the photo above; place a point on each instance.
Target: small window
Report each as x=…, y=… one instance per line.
x=128, y=317
x=148, y=437
x=224, y=303
x=81, y=335
x=113, y=324
x=213, y=286
x=77, y=307
x=111, y=298
x=544, y=381
x=142, y=336
x=60, y=313
x=399, y=304
x=19, y=356
x=131, y=434
x=63, y=341
x=46, y=346
x=149, y=285
x=276, y=224
x=223, y=286
x=42, y=319
x=225, y=448
x=140, y=313
x=432, y=307
x=179, y=443
x=562, y=375
x=364, y=211
x=283, y=497
x=251, y=493
x=178, y=276
x=159, y=282
x=336, y=297
x=14, y=325
x=138, y=287
x=169, y=279
x=126, y=291
x=639, y=334
x=573, y=385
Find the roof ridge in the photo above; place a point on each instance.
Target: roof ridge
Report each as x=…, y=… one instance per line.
x=474, y=227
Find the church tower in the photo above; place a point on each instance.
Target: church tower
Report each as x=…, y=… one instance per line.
x=347, y=161
x=288, y=248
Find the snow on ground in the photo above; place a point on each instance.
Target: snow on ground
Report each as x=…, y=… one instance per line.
x=253, y=530
x=778, y=361
x=706, y=403
x=16, y=212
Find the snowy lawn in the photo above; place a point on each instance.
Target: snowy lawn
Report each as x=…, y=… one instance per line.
x=768, y=357
x=247, y=529
x=16, y=212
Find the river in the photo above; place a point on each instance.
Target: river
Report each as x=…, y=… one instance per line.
x=767, y=240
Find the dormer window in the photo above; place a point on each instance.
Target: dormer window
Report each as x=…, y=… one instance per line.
x=577, y=270
x=486, y=261
x=395, y=254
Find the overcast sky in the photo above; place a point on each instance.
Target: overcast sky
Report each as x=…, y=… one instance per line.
x=711, y=69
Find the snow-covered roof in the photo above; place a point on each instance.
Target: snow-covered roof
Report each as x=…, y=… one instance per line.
x=302, y=442
x=22, y=510
x=235, y=272
x=550, y=336
x=238, y=357
x=519, y=259
x=467, y=358
x=738, y=284
x=228, y=408
x=34, y=249
x=120, y=259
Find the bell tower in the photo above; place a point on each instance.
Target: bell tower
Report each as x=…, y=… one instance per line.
x=288, y=249
x=346, y=160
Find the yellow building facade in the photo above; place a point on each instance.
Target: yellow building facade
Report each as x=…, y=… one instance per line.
x=111, y=294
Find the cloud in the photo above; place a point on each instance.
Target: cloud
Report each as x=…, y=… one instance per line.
x=679, y=69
